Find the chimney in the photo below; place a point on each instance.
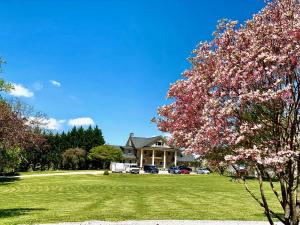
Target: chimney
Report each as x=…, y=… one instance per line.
x=131, y=135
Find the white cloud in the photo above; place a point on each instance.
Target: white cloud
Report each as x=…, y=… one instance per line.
x=81, y=121
x=55, y=83
x=20, y=91
x=49, y=124
x=54, y=124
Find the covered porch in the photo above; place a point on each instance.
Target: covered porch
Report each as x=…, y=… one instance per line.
x=161, y=157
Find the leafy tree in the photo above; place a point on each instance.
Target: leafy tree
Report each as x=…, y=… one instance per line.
x=15, y=136
x=34, y=149
x=9, y=160
x=36, y=155
x=9, y=153
x=242, y=94
x=13, y=130
x=105, y=154
x=4, y=86
x=74, y=158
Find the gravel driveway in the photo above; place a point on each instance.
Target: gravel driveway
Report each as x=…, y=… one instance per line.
x=168, y=222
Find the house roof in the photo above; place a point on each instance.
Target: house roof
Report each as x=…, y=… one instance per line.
x=186, y=158
x=116, y=146
x=129, y=156
x=140, y=142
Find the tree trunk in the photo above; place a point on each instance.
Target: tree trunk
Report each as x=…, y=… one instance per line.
x=263, y=197
x=298, y=192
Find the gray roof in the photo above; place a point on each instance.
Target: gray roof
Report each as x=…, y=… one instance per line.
x=116, y=146
x=186, y=158
x=127, y=147
x=129, y=156
x=140, y=142
x=125, y=155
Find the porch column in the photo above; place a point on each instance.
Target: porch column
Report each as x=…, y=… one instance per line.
x=175, y=158
x=165, y=159
x=142, y=158
x=153, y=155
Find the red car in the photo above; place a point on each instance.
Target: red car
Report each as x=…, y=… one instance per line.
x=184, y=171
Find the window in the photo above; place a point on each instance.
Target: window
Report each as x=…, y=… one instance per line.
x=129, y=151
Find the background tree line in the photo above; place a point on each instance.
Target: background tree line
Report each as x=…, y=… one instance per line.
x=63, y=150
x=25, y=145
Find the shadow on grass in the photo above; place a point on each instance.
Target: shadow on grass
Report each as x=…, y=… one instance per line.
x=6, y=181
x=262, y=215
x=6, y=213
x=278, y=214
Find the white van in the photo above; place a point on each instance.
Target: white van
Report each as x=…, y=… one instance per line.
x=117, y=167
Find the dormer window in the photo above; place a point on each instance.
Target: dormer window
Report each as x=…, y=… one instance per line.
x=159, y=143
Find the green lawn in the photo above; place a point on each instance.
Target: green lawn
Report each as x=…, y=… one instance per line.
x=125, y=197
x=54, y=171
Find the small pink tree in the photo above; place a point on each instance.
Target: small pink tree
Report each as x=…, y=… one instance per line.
x=242, y=95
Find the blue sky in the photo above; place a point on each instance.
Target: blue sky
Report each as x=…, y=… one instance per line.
x=110, y=62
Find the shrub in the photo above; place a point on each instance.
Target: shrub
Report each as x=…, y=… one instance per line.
x=106, y=172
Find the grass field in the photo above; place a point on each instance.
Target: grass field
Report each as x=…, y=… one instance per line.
x=125, y=197
x=53, y=171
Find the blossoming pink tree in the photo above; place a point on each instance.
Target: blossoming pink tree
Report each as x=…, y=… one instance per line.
x=242, y=95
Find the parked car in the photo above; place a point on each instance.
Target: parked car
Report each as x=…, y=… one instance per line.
x=184, y=171
x=185, y=168
x=174, y=170
x=150, y=169
x=203, y=171
x=132, y=168
x=241, y=172
x=240, y=169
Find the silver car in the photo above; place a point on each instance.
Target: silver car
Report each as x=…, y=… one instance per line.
x=203, y=171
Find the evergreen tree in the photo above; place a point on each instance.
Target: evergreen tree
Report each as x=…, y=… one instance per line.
x=80, y=134
x=73, y=138
x=98, y=138
x=89, y=133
